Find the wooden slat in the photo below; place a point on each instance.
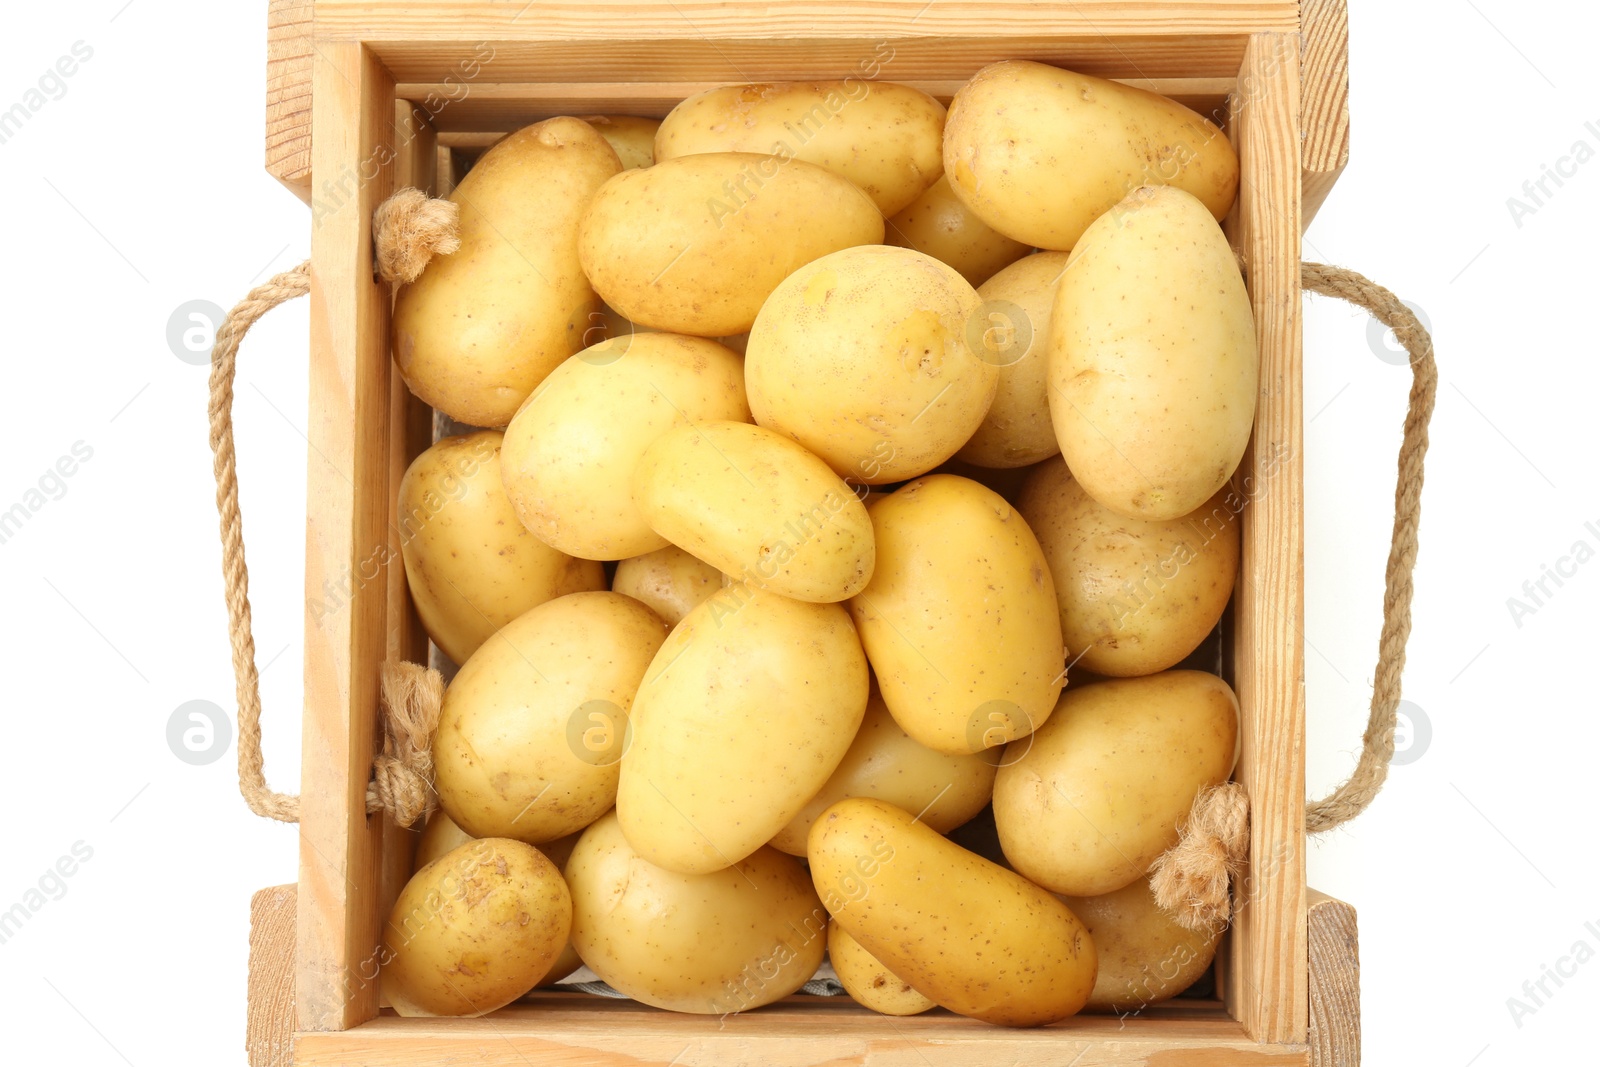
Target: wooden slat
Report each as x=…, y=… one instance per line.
x=1324, y=100
x=1334, y=976
x=347, y=518
x=289, y=94
x=269, y=1007
x=1267, y=969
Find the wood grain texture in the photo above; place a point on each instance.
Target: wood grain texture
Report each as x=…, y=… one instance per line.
x=1334, y=974
x=269, y=1008
x=1267, y=966
x=1324, y=100
x=289, y=94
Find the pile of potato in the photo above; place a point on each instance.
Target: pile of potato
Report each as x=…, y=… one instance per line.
x=874, y=418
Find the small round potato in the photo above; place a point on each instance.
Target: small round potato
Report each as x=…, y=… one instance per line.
x=866, y=357
x=534, y=725
x=711, y=944
x=1136, y=596
x=938, y=224
x=1087, y=803
x=632, y=138
x=668, y=581
x=869, y=982
x=1145, y=957
x=474, y=930
x=470, y=565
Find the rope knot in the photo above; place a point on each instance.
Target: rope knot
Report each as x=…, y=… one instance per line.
x=402, y=774
x=409, y=229
x=1190, y=879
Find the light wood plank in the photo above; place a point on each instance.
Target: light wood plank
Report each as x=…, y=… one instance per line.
x=1324, y=100
x=289, y=94
x=269, y=1004
x=1334, y=975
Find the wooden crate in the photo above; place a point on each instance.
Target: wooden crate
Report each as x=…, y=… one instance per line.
x=368, y=95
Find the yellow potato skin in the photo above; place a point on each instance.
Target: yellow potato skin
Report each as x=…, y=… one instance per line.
x=1153, y=357
x=694, y=245
x=668, y=581
x=470, y=564
x=1018, y=303
x=1136, y=597
x=632, y=138
x=474, y=930
x=960, y=621
x=758, y=507
x=515, y=754
x=715, y=943
x=938, y=224
x=869, y=982
x=865, y=358
x=966, y=933
x=1086, y=804
x=883, y=762
x=885, y=138
x=1145, y=957
x=776, y=688
x=484, y=325
x=570, y=453
x=1039, y=153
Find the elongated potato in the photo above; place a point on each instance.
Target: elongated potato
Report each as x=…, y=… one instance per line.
x=570, y=453
x=668, y=581
x=1039, y=153
x=1087, y=803
x=959, y=620
x=883, y=137
x=470, y=565
x=883, y=762
x=534, y=725
x=694, y=245
x=1153, y=358
x=1136, y=597
x=758, y=507
x=712, y=944
x=484, y=325
x=1145, y=957
x=744, y=713
x=632, y=138
x=868, y=981
x=938, y=224
x=964, y=932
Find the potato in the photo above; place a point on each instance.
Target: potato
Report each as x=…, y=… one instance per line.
x=1145, y=957
x=712, y=943
x=570, y=453
x=865, y=357
x=745, y=712
x=885, y=138
x=474, y=930
x=959, y=620
x=870, y=983
x=964, y=932
x=1039, y=153
x=758, y=507
x=1017, y=307
x=1136, y=597
x=694, y=245
x=938, y=224
x=533, y=726
x=883, y=762
x=668, y=581
x=632, y=138
x=470, y=565
x=483, y=326
x=1087, y=803
x=1152, y=358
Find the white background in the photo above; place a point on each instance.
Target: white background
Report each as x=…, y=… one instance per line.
x=142, y=187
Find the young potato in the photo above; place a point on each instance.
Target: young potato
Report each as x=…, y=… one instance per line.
x=883, y=137
x=694, y=245
x=869, y=982
x=758, y=507
x=960, y=621
x=938, y=224
x=483, y=326
x=866, y=357
x=535, y=723
x=1152, y=358
x=964, y=932
x=632, y=138
x=570, y=453
x=745, y=712
x=711, y=944
x=885, y=763
x=1039, y=153
x=1136, y=596
x=1086, y=804
x=470, y=565
x=1018, y=303
x=668, y=581
x=474, y=930
x=1145, y=957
